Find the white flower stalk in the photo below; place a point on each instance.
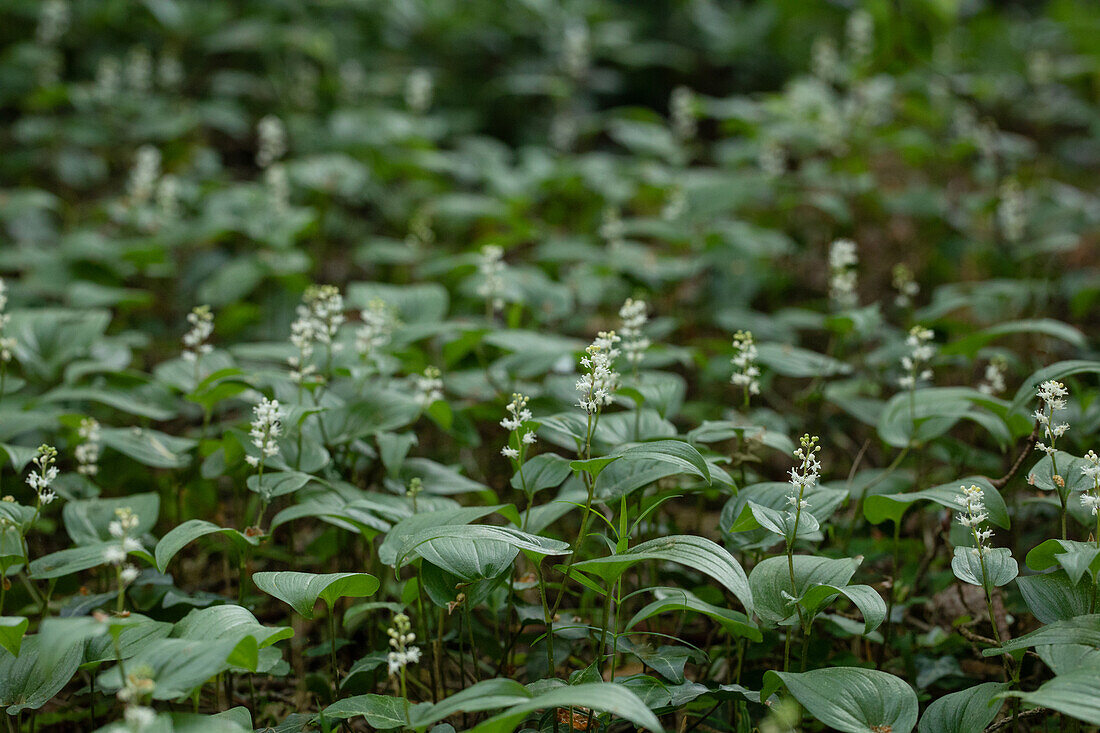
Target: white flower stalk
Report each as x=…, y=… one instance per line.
x=87, y=453
x=564, y=129
x=681, y=106
x=170, y=71
x=993, y=381
x=168, y=198
x=53, y=21
x=137, y=686
x=611, y=229
x=419, y=89
x=195, y=346
x=514, y=422
x=772, y=158
x=108, y=80
x=144, y=175
x=44, y=473
x=420, y=228
x=675, y=204
x=320, y=316
x=825, y=59
x=278, y=188
x=1053, y=396
x=428, y=386
x=121, y=529
x=7, y=343
x=491, y=268
x=600, y=379
x=266, y=428
x=842, y=274
x=271, y=135
x=745, y=371
x=860, y=31
x=139, y=70
x=1012, y=211
x=915, y=363
x=973, y=514
x=905, y=286
x=634, y=317
x=403, y=653
x=378, y=321
x=575, y=49
x=1091, y=497
x=804, y=476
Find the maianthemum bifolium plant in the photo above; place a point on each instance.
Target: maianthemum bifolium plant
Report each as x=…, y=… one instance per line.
x=549, y=366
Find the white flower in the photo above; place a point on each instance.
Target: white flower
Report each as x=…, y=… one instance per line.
x=825, y=59
x=681, y=106
x=44, y=474
x=600, y=379
x=842, y=274
x=518, y=414
x=1091, y=470
x=378, y=322
x=906, y=287
x=320, y=315
x=144, y=174
x=272, y=140
x=973, y=514
x=278, y=188
x=429, y=386
x=509, y=452
x=114, y=554
x=128, y=574
x=491, y=269
x=168, y=197
x=7, y=343
x=201, y=319
x=139, y=70
x=53, y=21
x=265, y=430
x=418, y=90
x=993, y=382
x=915, y=362
x=634, y=317
x=575, y=48
x=745, y=370
x=401, y=637
x=139, y=717
x=805, y=475
x=860, y=31
x=1012, y=211
x=1053, y=395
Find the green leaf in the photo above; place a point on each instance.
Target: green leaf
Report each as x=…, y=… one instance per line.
x=593, y=466
x=1000, y=566
x=469, y=537
x=970, y=344
x=674, y=599
x=180, y=666
x=697, y=553
x=485, y=695
x=150, y=447
x=12, y=629
x=850, y=699
x=87, y=520
x=1058, y=370
x=1078, y=630
x=1076, y=558
x=934, y=410
x=29, y=680
x=72, y=560
x=879, y=508
x=966, y=711
x=382, y=712
x=395, y=543
x=771, y=582
x=544, y=471
x=278, y=483
x=179, y=537
x=301, y=590
x=1076, y=694
x=792, y=361
x=863, y=597
x=228, y=621
x=676, y=452
x=599, y=696
x=1054, y=597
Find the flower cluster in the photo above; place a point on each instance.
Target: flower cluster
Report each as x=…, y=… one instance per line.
x=804, y=476
x=320, y=315
x=401, y=637
x=53, y=21
x=993, y=383
x=168, y=197
x=418, y=90
x=600, y=379
x=1091, y=471
x=265, y=432
x=272, y=141
x=575, y=49
x=87, y=453
x=915, y=363
x=378, y=321
x=278, y=188
x=1053, y=395
x=634, y=317
x=905, y=285
x=745, y=370
x=681, y=105
x=490, y=268
x=121, y=528
x=1012, y=211
x=611, y=228
x=842, y=274
x=135, y=691
x=429, y=386
x=518, y=414
x=860, y=32
x=144, y=174
x=7, y=343
x=202, y=327
x=973, y=514
x=44, y=473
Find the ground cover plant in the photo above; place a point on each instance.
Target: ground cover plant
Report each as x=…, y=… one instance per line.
x=444, y=366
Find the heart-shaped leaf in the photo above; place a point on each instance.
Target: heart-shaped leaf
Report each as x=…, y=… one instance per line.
x=850, y=699
x=301, y=590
